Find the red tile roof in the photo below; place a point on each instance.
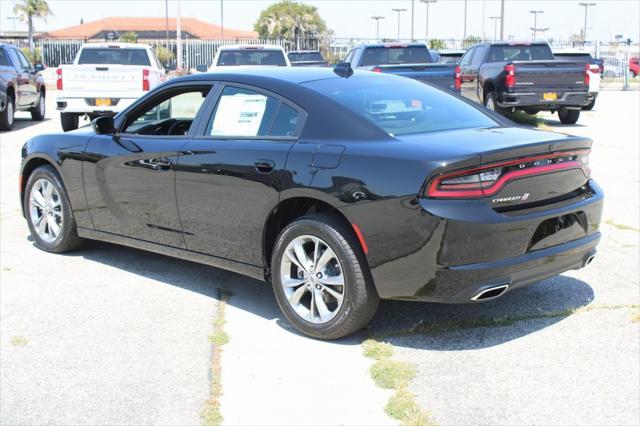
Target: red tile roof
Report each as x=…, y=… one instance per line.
x=195, y=27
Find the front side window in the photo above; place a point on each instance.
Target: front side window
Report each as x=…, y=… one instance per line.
x=402, y=106
x=172, y=115
x=478, y=56
x=115, y=56
x=246, y=113
x=466, y=59
x=24, y=63
x=4, y=58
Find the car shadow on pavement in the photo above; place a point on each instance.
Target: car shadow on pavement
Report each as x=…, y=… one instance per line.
x=448, y=327
x=444, y=327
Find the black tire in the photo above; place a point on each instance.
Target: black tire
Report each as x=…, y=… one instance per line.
x=360, y=300
x=491, y=102
x=7, y=116
x=568, y=116
x=67, y=239
x=69, y=121
x=589, y=106
x=39, y=110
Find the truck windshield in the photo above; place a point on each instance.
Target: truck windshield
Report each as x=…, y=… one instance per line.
x=388, y=55
x=114, y=55
x=402, y=106
x=252, y=57
x=520, y=52
x=305, y=57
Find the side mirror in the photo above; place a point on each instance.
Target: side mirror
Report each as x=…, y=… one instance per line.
x=343, y=69
x=103, y=125
x=38, y=67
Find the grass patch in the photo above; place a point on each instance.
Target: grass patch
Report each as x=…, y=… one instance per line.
x=390, y=374
x=19, y=341
x=376, y=350
x=402, y=406
x=210, y=414
x=522, y=117
x=621, y=226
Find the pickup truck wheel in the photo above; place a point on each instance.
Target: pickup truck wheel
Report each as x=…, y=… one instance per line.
x=48, y=212
x=491, y=103
x=69, y=121
x=568, y=116
x=6, y=116
x=320, y=278
x=39, y=110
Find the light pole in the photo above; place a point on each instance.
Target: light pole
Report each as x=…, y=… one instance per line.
x=586, y=9
x=426, y=28
x=377, y=19
x=178, y=39
x=535, y=28
x=221, y=18
x=399, y=11
x=412, y=16
x=464, y=33
x=166, y=20
x=501, y=19
x=495, y=26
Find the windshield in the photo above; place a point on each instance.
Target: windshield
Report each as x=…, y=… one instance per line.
x=252, y=57
x=114, y=55
x=402, y=106
x=305, y=56
x=396, y=55
x=520, y=52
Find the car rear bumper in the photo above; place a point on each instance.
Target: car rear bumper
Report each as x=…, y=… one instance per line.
x=535, y=99
x=455, y=249
x=86, y=105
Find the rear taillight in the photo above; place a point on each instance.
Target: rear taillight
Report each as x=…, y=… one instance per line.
x=458, y=81
x=59, y=79
x=587, y=77
x=376, y=70
x=488, y=180
x=510, y=80
x=145, y=80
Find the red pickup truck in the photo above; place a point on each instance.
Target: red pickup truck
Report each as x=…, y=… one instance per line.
x=634, y=66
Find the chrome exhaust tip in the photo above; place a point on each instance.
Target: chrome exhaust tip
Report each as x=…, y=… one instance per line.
x=490, y=293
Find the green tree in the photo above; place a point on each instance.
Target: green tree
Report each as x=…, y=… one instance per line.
x=437, y=44
x=470, y=41
x=164, y=55
x=35, y=57
x=29, y=10
x=129, y=37
x=291, y=20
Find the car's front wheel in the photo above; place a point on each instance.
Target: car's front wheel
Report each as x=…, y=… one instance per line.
x=40, y=109
x=48, y=212
x=320, y=278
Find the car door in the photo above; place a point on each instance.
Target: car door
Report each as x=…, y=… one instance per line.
x=476, y=62
x=229, y=176
x=129, y=177
x=26, y=90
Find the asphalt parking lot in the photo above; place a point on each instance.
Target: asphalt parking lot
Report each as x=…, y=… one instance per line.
x=114, y=335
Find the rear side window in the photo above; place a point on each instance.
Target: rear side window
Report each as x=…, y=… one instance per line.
x=114, y=56
x=246, y=113
x=252, y=57
x=402, y=106
x=520, y=52
x=395, y=55
x=4, y=59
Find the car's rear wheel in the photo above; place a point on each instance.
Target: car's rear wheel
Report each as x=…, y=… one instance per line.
x=7, y=116
x=69, y=121
x=568, y=116
x=48, y=212
x=491, y=102
x=39, y=110
x=320, y=278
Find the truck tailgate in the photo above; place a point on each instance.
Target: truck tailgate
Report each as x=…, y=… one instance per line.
x=557, y=75
x=110, y=80
x=441, y=75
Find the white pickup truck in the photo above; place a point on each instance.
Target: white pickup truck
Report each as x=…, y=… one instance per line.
x=105, y=79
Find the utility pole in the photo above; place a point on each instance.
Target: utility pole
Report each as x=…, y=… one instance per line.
x=501, y=19
x=412, y=18
x=535, y=28
x=586, y=10
x=495, y=26
x=377, y=19
x=399, y=11
x=464, y=33
x=178, y=40
x=426, y=28
x=166, y=20
x=221, y=18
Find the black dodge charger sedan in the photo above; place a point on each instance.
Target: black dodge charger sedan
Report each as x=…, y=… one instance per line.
x=339, y=188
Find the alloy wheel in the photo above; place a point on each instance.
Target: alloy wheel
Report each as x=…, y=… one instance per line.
x=10, y=112
x=42, y=105
x=312, y=279
x=45, y=210
x=490, y=104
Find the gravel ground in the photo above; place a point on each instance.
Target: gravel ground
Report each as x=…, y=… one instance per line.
x=544, y=365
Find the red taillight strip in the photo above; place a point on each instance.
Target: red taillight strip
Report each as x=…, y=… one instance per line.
x=433, y=189
x=356, y=229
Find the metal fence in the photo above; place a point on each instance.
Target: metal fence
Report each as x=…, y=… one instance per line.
x=198, y=53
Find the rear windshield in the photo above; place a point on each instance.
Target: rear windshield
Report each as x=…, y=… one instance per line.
x=114, y=55
x=252, y=57
x=449, y=58
x=396, y=55
x=402, y=106
x=520, y=52
x=305, y=56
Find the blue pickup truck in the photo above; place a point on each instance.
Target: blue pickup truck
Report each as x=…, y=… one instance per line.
x=412, y=60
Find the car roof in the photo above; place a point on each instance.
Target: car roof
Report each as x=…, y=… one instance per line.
x=304, y=51
x=393, y=44
x=115, y=46
x=250, y=47
x=515, y=43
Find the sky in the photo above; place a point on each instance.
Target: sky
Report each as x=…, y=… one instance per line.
x=352, y=18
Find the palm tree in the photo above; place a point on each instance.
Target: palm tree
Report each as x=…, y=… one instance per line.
x=30, y=9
